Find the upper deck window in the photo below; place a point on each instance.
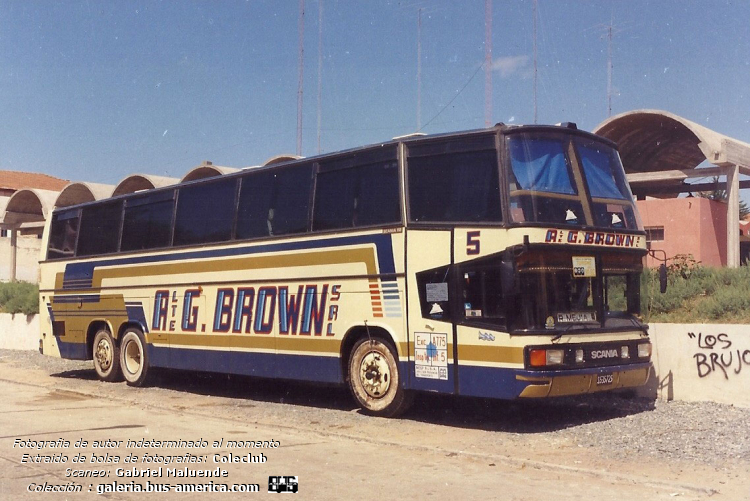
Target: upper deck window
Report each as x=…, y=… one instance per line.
x=605, y=177
x=568, y=179
x=540, y=165
x=603, y=171
x=447, y=184
x=542, y=181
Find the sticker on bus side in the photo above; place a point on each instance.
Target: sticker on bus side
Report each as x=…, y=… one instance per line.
x=431, y=355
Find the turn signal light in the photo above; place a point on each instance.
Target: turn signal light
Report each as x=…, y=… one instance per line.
x=540, y=358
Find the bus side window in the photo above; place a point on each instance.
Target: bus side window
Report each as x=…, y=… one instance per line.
x=100, y=229
x=454, y=181
x=274, y=202
x=147, y=223
x=481, y=293
x=205, y=212
x=434, y=293
x=352, y=193
x=63, y=235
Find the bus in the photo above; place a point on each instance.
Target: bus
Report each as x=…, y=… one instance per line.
x=500, y=263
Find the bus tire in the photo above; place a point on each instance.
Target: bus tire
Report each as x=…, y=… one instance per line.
x=134, y=357
x=106, y=356
x=374, y=378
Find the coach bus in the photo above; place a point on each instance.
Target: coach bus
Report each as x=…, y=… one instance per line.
x=502, y=263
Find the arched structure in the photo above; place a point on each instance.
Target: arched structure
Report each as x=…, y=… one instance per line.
x=81, y=192
x=662, y=151
x=138, y=182
x=26, y=210
x=284, y=157
x=207, y=169
x=29, y=206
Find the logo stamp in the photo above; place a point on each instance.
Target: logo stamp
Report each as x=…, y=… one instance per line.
x=282, y=483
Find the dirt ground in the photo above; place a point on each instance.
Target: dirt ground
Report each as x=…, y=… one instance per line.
x=445, y=448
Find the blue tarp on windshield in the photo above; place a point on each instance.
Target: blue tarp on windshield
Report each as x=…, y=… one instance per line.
x=597, y=167
x=539, y=165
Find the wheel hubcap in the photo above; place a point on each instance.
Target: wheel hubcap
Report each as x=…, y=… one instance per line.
x=132, y=357
x=104, y=355
x=375, y=374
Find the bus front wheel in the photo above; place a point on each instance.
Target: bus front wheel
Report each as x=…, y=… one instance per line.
x=374, y=378
x=134, y=358
x=106, y=357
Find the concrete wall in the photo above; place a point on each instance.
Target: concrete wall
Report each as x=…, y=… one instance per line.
x=27, y=258
x=19, y=332
x=701, y=362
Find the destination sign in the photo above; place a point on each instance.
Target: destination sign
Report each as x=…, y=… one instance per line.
x=595, y=238
x=576, y=317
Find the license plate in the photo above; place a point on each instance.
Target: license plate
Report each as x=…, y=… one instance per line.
x=604, y=379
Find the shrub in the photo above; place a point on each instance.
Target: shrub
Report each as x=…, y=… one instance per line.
x=697, y=294
x=19, y=297
x=729, y=302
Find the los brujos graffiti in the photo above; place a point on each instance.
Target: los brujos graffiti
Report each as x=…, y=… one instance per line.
x=718, y=353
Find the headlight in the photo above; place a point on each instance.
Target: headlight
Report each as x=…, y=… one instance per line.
x=555, y=357
x=644, y=350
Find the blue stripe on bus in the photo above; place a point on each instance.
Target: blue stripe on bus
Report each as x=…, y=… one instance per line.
x=269, y=365
x=83, y=273
x=490, y=382
x=76, y=299
x=245, y=363
x=136, y=314
x=72, y=351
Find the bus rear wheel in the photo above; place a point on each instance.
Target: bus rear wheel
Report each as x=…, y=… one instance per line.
x=134, y=358
x=374, y=378
x=106, y=356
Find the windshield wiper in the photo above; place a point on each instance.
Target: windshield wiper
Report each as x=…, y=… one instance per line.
x=565, y=330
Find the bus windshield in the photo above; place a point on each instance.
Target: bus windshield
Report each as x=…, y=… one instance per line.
x=551, y=296
x=568, y=180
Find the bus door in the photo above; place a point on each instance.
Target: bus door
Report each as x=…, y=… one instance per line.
x=431, y=328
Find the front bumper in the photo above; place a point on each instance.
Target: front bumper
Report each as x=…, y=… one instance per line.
x=548, y=384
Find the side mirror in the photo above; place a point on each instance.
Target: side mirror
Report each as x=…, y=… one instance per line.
x=663, y=278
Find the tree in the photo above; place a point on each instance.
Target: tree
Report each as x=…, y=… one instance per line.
x=720, y=195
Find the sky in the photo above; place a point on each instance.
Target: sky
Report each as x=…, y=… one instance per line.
x=98, y=90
